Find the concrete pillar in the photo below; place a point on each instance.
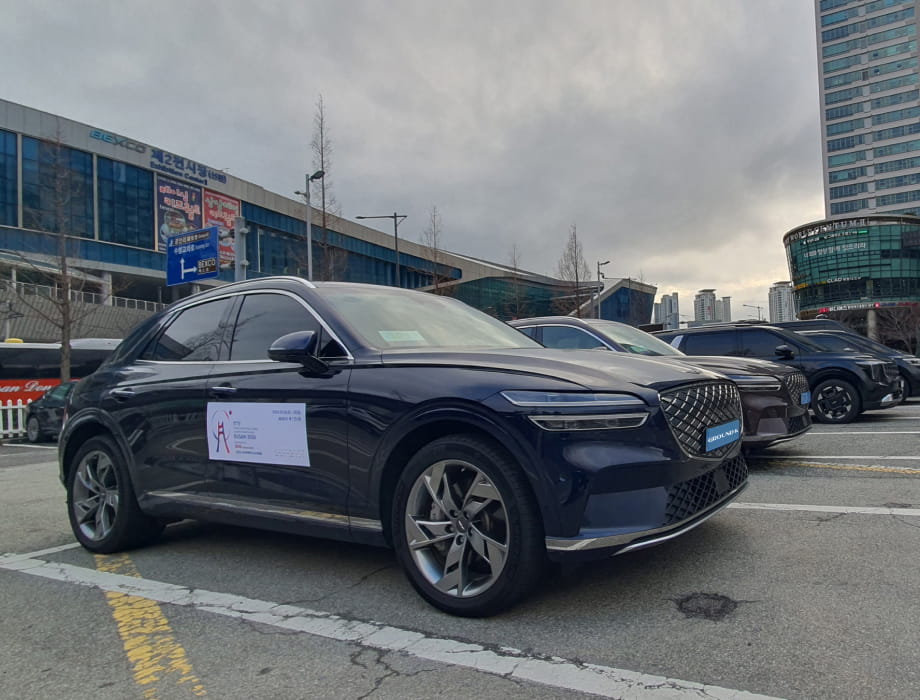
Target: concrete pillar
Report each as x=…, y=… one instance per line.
x=872, y=324
x=107, y=288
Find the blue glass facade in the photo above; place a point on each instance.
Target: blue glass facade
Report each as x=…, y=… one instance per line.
x=842, y=264
x=126, y=212
x=57, y=188
x=9, y=179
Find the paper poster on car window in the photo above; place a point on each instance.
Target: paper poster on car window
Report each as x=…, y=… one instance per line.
x=261, y=433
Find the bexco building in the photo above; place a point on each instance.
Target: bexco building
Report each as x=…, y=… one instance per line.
x=855, y=264
x=117, y=200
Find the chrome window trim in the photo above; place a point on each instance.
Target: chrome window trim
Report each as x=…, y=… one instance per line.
x=325, y=326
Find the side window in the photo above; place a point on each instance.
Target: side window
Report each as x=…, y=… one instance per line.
x=710, y=343
x=264, y=318
x=530, y=331
x=571, y=338
x=760, y=343
x=194, y=336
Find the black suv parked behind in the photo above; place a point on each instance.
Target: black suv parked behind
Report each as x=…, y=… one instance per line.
x=774, y=397
x=843, y=385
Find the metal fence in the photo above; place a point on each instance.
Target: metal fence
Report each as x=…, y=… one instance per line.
x=49, y=292
x=13, y=419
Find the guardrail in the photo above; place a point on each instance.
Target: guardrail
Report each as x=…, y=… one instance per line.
x=49, y=292
x=13, y=418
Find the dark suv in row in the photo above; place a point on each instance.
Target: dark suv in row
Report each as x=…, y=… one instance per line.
x=842, y=384
x=775, y=397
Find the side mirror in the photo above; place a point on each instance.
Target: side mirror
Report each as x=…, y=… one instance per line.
x=784, y=352
x=299, y=347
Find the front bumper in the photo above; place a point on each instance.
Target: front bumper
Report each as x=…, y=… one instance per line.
x=646, y=517
x=881, y=396
x=771, y=419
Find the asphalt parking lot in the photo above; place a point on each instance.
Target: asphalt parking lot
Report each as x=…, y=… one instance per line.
x=805, y=588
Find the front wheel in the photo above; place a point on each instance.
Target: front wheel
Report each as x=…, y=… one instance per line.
x=33, y=430
x=103, y=510
x=835, y=401
x=466, y=528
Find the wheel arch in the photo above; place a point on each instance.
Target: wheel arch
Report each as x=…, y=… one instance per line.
x=78, y=432
x=439, y=425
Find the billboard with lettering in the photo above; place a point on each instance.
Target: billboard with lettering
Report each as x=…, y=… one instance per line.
x=219, y=210
x=178, y=209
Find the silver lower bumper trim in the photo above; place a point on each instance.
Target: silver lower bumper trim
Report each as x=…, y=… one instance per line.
x=645, y=538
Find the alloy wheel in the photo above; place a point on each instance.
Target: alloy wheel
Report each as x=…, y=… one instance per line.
x=33, y=430
x=95, y=495
x=456, y=527
x=834, y=402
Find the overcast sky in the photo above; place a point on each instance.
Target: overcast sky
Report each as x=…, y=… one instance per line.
x=681, y=137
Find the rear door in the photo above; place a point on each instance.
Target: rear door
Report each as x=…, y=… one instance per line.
x=159, y=402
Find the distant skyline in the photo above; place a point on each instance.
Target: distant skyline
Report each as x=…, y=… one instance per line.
x=681, y=137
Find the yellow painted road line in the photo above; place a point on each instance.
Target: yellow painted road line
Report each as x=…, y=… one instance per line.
x=159, y=662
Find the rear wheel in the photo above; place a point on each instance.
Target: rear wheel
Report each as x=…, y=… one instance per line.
x=835, y=401
x=33, y=430
x=466, y=528
x=103, y=510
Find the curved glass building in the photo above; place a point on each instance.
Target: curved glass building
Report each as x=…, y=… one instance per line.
x=869, y=262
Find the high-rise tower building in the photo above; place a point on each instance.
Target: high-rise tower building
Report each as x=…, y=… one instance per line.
x=667, y=312
x=704, y=305
x=782, y=302
x=870, y=104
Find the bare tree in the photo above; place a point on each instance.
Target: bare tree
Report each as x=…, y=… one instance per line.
x=431, y=242
x=53, y=297
x=573, y=268
x=900, y=326
x=516, y=305
x=333, y=260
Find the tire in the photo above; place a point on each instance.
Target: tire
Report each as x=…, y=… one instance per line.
x=103, y=510
x=34, y=430
x=835, y=401
x=473, y=509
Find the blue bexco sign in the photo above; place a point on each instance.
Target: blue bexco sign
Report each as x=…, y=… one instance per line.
x=191, y=256
x=118, y=141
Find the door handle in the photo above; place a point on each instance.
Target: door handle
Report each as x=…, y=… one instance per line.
x=222, y=390
x=123, y=393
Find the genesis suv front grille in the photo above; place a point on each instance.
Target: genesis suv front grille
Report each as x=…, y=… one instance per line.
x=796, y=385
x=688, y=498
x=891, y=371
x=692, y=409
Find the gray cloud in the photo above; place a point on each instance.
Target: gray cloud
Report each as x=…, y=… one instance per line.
x=681, y=136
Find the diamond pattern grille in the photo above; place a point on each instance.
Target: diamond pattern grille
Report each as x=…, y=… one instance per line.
x=891, y=371
x=796, y=385
x=690, y=410
x=688, y=498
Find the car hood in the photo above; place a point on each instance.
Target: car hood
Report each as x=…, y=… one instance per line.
x=737, y=365
x=596, y=370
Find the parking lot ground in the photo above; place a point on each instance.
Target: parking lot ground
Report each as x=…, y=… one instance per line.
x=805, y=588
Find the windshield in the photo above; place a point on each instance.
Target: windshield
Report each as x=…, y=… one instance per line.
x=388, y=318
x=632, y=339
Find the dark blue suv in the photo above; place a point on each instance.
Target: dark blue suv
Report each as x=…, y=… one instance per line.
x=391, y=417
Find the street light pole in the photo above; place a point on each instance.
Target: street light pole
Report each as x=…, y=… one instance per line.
x=318, y=175
x=600, y=276
x=397, y=220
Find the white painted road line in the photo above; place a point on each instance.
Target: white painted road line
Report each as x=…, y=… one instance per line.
x=555, y=672
x=33, y=447
x=833, y=457
x=868, y=432
x=857, y=510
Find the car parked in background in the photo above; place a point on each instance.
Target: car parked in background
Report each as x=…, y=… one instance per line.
x=775, y=397
x=392, y=417
x=908, y=365
x=45, y=416
x=842, y=384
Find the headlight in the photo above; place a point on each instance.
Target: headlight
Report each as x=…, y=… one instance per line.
x=915, y=361
x=559, y=401
x=755, y=382
x=875, y=370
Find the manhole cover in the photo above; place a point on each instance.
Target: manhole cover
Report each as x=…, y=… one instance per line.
x=710, y=606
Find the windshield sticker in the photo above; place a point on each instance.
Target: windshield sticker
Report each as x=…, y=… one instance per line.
x=402, y=336
x=260, y=433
